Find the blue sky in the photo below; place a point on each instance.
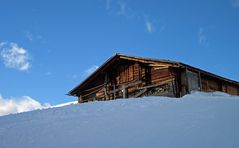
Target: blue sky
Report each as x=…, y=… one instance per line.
x=47, y=47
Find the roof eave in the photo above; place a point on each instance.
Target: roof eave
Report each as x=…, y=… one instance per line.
x=72, y=92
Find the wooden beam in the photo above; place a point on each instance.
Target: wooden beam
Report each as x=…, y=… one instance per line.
x=126, y=86
x=147, y=61
x=141, y=92
x=136, y=59
x=158, y=84
x=91, y=92
x=106, y=96
x=92, y=88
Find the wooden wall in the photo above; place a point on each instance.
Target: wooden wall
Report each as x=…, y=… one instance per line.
x=125, y=73
x=131, y=79
x=211, y=84
x=192, y=80
x=166, y=77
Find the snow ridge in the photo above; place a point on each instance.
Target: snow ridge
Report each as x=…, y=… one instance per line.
x=198, y=120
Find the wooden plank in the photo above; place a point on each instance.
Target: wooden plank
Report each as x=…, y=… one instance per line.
x=90, y=89
x=106, y=96
x=162, y=79
x=126, y=86
x=140, y=93
x=158, y=84
x=147, y=61
x=92, y=92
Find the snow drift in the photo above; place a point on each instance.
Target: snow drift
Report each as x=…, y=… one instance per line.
x=197, y=120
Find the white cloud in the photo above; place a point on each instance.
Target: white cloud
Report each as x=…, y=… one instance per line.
x=149, y=25
x=91, y=69
x=202, y=39
x=121, y=8
x=34, y=37
x=235, y=3
x=14, y=56
x=126, y=11
x=17, y=105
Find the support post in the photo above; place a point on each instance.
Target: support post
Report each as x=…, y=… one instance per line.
x=106, y=96
x=105, y=88
x=80, y=99
x=124, y=91
x=114, y=91
x=139, y=72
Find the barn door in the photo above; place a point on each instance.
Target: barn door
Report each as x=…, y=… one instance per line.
x=193, y=81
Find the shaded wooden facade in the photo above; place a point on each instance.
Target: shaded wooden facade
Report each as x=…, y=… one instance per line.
x=124, y=76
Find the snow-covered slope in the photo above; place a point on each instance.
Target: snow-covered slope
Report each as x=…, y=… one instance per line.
x=197, y=120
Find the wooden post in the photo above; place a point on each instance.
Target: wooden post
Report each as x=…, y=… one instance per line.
x=173, y=83
x=173, y=86
x=114, y=91
x=177, y=83
x=106, y=96
x=124, y=91
x=105, y=88
x=80, y=100
x=139, y=72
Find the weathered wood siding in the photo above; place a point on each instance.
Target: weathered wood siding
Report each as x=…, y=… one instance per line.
x=131, y=79
x=232, y=89
x=125, y=73
x=164, y=76
x=210, y=84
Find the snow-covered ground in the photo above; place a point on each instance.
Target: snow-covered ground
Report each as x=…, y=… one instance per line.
x=199, y=120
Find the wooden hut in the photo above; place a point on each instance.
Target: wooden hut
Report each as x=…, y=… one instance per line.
x=124, y=76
